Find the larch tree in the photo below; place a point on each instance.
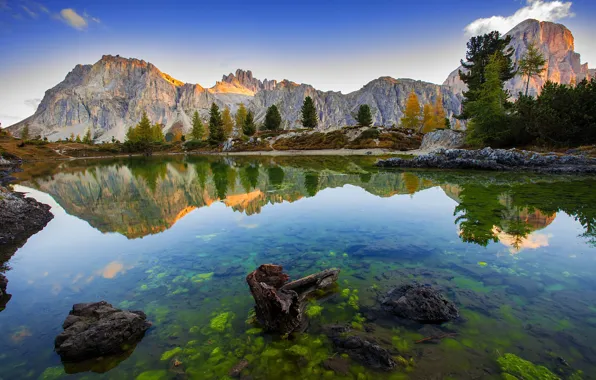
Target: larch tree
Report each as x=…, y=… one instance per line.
x=87, y=139
x=157, y=133
x=428, y=119
x=411, y=117
x=531, y=64
x=228, y=122
x=273, y=118
x=216, y=132
x=198, y=129
x=439, y=112
x=309, y=113
x=240, y=116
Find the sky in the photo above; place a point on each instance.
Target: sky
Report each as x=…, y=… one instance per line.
x=330, y=44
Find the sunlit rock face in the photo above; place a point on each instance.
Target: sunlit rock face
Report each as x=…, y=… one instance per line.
x=111, y=95
x=556, y=43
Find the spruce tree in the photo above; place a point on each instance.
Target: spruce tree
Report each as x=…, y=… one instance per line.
x=216, y=132
x=143, y=129
x=228, y=122
x=364, y=116
x=87, y=138
x=309, y=113
x=411, y=119
x=249, y=128
x=479, y=53
x=531, y=64
x=272, y=118
x=157, y=133
x=198, y=129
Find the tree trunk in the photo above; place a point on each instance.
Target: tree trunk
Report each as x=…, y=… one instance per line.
x=280, y=305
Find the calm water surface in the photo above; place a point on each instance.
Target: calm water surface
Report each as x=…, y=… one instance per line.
x=176, y=238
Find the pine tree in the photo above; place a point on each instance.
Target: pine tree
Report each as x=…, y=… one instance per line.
x=428, y=119
x=249, y=128
x=87, y=138
x=272, y=118
x=309, y=113
x=531, y=64
x=78, y=139
x=364, y=116
x=240, y=116
x=216, y=132
x=228, y=122
x=488, y=123
x=480, y=50
x=131, y=134
x=25, y=133
x=411, y=119
x=198, y=129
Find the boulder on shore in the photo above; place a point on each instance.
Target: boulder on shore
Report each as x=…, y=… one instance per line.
x=419, y=303
x=442, y=138
x=96, y=329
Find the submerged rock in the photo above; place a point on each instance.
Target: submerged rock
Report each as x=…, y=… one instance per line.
x=495, y=159
x=368, y=353
x=98, y=329
x=420, y=303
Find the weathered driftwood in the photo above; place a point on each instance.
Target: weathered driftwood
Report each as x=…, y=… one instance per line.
x=279, y=305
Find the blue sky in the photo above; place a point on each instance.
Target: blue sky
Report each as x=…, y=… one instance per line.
x=333, y=45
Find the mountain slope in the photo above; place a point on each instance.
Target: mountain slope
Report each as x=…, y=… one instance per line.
x=556, y=43
x=112, y=94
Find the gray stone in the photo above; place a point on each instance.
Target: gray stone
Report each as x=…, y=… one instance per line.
x=419, y=303
x=96, y=329
x=444, y=138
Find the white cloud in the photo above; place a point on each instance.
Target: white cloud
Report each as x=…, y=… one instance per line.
x=72, y=18
x=537, y=9
x=29, y=12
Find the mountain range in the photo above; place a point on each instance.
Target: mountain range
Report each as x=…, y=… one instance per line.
x=110, y=96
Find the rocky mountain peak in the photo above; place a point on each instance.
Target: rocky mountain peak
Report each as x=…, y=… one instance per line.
x=245, y=79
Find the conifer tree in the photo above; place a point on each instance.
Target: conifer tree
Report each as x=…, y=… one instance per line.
x=143, y=129
x=216, y=132
x=272, y=118
x=531, y=64
x=78, y=139
x=228, y=122
x=249, y=128
x=157, y=133
x=411, y=117
x=309, y=113
x=240, y=116
x=364, y=116
x=87, y=138
x=439, y=112
x=428, y=119
x=25, y=133
x=198, y=129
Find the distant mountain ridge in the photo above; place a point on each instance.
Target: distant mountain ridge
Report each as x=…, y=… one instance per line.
x=111, y=95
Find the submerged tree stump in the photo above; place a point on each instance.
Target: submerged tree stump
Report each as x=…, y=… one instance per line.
x=280, y=305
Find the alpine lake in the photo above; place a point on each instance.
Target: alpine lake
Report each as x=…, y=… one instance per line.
x=176, y=237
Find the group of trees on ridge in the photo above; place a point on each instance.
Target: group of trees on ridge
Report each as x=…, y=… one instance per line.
x=562, y=115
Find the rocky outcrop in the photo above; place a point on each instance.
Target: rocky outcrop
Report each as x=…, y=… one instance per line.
x=445, y=138
x=419, y=303
x=557, y=45
x=496, y=159
x=96, y=329
x=20, y=217
x=110, y=96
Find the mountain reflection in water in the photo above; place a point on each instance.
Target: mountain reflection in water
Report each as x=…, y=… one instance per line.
x=142, y=196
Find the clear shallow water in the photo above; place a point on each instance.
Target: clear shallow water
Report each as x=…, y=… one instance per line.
x=176, y=238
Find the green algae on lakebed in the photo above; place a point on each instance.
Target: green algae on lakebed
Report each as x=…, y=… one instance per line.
x=175, y=237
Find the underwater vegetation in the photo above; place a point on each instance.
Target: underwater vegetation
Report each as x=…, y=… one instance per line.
x=516, y=367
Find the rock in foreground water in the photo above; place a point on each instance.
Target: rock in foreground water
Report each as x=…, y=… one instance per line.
x=419, y=303
x=97, y=329
x=495, y=159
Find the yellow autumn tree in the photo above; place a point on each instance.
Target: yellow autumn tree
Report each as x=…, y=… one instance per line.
x=428, y=119
x=439, y=112
x=228, y=122
x=412, y=115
